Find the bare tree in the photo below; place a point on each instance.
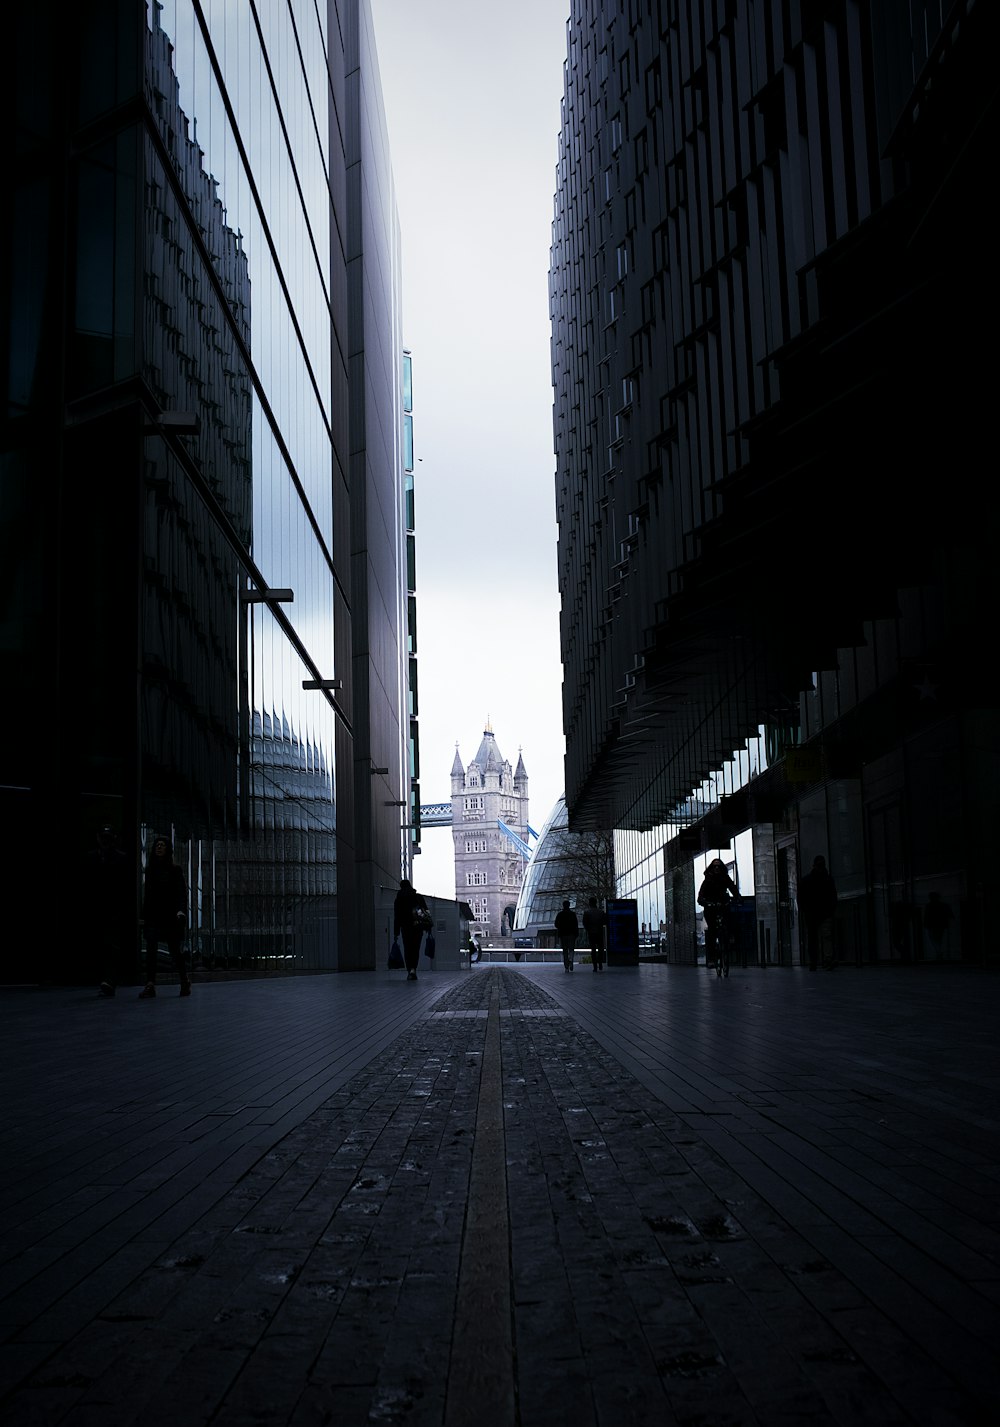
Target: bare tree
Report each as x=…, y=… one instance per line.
x=589, y=866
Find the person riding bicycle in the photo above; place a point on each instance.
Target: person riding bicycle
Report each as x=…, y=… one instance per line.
x=717, y=891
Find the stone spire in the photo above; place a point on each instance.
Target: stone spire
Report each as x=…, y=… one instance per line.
x=457, y=773
x=488, y=749
x=493, y=765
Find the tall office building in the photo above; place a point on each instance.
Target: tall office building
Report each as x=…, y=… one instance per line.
x=202, y=506
x=381, y=535
x=410, y=677
x=770, y=290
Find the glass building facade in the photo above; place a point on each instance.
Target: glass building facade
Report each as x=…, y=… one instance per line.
x=412, y=683
x=769, y=283
x=189, y=482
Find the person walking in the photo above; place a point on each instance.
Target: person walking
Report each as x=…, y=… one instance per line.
x=594, y=922
x=164, y=915
x=410, y=919
x=567, y=928
x=817, y=904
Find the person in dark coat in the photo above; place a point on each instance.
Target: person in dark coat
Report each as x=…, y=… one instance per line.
x=716, y=892
x=817, y=904
x=594, y=922
x=109, y=888
x=717, y=887
x=404, y=924
x=164, y=914
x=567, y=927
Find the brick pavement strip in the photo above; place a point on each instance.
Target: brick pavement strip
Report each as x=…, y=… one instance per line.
x=481, y=1380
x=647, y=1259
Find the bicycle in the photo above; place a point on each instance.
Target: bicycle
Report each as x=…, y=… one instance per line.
x=717, y=937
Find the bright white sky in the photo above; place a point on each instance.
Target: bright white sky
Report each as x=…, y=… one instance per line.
x=472, y=95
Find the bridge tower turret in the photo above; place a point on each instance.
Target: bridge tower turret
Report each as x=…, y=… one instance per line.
x=488, y=866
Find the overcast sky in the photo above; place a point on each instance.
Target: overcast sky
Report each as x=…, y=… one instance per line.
x=472, y=96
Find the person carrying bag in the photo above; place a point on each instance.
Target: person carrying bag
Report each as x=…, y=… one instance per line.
x=410, y=919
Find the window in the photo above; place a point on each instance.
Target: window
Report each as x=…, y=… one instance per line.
x=641, y=152
x=653, y=90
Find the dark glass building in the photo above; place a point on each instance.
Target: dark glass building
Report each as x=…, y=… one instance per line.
x=201, y=481
x=771, y=296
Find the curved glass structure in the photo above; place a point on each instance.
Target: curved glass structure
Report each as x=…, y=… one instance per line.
x=566, y=865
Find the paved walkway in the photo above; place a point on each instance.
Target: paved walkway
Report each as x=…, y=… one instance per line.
x=504, y=1196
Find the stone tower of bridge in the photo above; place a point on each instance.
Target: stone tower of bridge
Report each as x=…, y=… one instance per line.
x=488, y=864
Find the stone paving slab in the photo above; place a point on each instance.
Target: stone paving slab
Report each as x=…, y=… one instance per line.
x=766, y=1200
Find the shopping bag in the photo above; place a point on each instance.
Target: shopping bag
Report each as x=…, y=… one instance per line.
x=396, y=962
x=429, y=947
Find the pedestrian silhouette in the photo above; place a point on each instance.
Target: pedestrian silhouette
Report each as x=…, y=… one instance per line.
x=817, y=903
x=108, y=900
x=594, y=922
x=164, y=915
x=410, y=919
x=937, y=923
x=567, y=928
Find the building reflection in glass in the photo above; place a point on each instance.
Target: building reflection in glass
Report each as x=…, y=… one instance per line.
x=191, y=425
x=238, y=761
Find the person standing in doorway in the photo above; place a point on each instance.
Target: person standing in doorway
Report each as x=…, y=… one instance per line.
x=937, y=921
x=594, y=922
x=817, y=904
x=109, y=888
x=567, y=928
x=410, y=918
x=164, y=915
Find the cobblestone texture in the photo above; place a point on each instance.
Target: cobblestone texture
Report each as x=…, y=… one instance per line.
x=658, y=1273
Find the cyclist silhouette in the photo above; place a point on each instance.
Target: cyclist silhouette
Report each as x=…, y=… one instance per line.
x=717, y=891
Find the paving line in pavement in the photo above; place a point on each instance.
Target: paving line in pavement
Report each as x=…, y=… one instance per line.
x=481, y=1376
